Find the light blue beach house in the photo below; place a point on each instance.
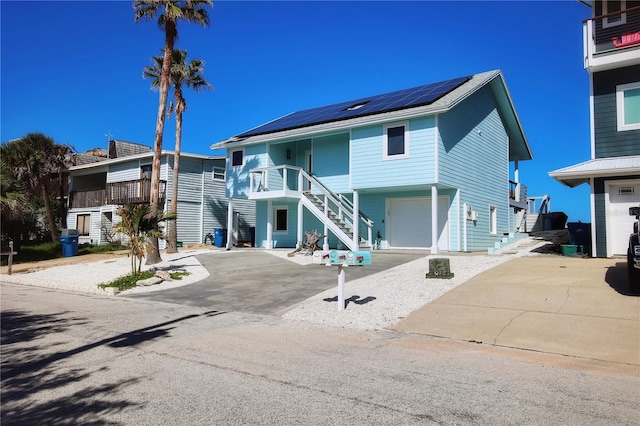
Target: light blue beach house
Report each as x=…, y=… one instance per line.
x=432, y=167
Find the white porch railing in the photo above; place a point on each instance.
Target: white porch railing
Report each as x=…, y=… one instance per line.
x=294, y=182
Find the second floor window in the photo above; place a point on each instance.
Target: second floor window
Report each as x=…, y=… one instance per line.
x=145, y=171
x=395, y=141
x=613, y=6
x=628, y=106
x=237, y=158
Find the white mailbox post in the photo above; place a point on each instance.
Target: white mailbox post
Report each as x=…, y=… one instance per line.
x=343, y=259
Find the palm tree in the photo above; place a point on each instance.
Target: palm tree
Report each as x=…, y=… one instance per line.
x=139, y=223
x=191, y=75
x=34, y=160
x=169, y=12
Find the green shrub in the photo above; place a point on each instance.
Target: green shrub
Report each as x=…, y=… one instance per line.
x=129, y=281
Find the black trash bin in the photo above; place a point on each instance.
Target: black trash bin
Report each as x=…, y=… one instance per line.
x=219, y=237
x=580, y=235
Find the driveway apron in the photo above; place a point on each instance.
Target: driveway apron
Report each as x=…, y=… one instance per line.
x=253, y=281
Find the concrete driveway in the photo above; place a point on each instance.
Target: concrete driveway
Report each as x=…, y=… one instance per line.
x=252, y=281
x=564, y=305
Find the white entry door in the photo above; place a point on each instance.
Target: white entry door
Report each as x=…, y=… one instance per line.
x=408, y=222
x=621, y=196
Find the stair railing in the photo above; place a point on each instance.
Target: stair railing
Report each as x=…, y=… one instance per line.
x=334, y=203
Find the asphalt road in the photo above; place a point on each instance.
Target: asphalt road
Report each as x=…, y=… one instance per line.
x=257, y=282
x=82, y=359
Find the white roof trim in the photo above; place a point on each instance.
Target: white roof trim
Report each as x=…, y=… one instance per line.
x=143, y=155
x=599, y=167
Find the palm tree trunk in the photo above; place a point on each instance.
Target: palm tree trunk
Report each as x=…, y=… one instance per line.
x=53, y=228
x=173, y=229
x=153, y=256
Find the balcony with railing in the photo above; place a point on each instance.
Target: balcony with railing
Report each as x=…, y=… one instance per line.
x=517, y=195
x=117, y=193
x=612, y=40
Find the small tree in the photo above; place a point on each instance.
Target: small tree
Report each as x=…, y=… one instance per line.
x=139, y=224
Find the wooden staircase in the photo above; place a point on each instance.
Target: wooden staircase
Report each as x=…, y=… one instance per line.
x=337, y=224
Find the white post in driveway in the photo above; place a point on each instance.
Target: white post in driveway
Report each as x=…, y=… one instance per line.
x=300, y=224
x=356, y=219
x=230, y=224
x=434, y=219
x=269, y=225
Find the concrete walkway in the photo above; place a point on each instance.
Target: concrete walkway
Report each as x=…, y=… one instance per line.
x=563, y=305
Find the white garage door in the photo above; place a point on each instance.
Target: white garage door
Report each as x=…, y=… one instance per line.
x=619, y=223
x=409, y=222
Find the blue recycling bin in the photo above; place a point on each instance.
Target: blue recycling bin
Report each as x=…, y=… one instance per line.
x=69, y=245
x=219, y=237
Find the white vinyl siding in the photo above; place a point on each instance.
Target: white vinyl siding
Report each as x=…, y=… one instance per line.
x=369, y=169
x=474, y=152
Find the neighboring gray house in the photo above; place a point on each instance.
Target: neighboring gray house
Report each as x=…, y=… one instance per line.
x=612, y=58
x=432, y=167
x=97, y=189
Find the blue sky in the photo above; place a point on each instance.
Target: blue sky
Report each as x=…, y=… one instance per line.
x=73, y=70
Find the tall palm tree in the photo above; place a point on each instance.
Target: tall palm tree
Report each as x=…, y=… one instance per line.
x=168, y=12
x=191, y=75
x=34, y=160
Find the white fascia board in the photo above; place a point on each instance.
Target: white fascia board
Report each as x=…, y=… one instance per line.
x=144, y=155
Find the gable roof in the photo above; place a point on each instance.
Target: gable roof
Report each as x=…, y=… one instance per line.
x=118, y=148
x=600, y=167
x=403, y=104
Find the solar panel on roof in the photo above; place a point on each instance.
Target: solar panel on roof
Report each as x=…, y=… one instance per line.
x=401, y=99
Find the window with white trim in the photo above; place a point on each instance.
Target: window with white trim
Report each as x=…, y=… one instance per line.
x=280, y=219
x=396, y=141
x=218, y=173
x=613, y=6
x=83, y=224
x=237, y=158
x=628, y=106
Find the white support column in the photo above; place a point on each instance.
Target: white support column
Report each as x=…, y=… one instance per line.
x=464, y=221
x=516, y=178
x=269, y=225
x=285, y=183
x=300, y=224
x=230, y=224
x=356, y=219
x=325, y=244
x=434, y=219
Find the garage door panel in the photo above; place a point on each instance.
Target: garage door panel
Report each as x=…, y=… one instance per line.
x=621, y=197
x=409, y=223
